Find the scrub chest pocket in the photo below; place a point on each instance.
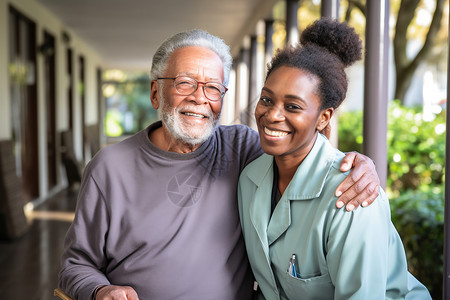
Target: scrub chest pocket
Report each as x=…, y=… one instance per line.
x=318, y=287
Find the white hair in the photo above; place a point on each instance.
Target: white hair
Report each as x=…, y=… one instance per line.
x=194, y=37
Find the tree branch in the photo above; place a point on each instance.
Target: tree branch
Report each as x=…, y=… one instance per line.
x=404, y=18
x=431, y=35
x=348, y=12
x=359, y=5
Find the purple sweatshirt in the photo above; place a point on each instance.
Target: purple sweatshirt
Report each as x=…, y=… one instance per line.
x=163, y=223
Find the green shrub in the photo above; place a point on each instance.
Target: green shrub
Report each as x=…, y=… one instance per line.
x=350, y=130
x=416, y=148
x=419, y=219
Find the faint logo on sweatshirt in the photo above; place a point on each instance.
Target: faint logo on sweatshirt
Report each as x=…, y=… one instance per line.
x=184, y=189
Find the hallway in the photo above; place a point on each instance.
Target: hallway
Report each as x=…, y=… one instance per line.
x=30, y=264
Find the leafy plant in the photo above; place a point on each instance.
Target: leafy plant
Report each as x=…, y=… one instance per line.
x=128, y=107
x=416, y=146
x=419, y=219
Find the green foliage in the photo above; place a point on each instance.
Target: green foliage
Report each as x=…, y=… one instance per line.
x=416, y=147
x=419, y=219
x=128, y=106
x=350, y=131
x=415, y=183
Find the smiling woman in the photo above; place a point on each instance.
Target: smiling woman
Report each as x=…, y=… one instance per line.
x=286, y=197
x=288, y=113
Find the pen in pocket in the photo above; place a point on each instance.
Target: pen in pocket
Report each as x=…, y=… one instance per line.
x=293, y=269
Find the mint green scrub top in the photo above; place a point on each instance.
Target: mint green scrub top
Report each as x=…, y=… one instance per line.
x=340, y=254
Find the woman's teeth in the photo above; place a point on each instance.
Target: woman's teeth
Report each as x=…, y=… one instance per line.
x=275, y=133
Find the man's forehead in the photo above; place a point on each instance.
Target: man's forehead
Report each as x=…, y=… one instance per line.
x=195, y=75
x=194, y=53
x=194, y=61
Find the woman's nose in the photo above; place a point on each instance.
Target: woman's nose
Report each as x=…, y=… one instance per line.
x=275, y=114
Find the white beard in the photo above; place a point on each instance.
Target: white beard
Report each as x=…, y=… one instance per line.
x=181, y=131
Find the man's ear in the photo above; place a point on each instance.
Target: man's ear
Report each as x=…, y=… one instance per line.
x=324, y=118
x=154, y=93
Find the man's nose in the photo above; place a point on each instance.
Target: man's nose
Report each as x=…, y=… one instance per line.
x=199, y=95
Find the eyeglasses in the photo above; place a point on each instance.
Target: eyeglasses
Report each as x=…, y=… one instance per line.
x=185, y=86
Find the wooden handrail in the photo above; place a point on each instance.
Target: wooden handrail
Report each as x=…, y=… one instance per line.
x=60, y=293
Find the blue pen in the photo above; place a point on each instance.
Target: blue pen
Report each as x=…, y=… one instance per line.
x=293, y=261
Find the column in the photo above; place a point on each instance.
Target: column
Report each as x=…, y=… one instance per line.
x=376, y=85
x=228, y=115
x=330, y=8
x=268, y=43
x=292, y=34
x=242, y=86
x=252, y=84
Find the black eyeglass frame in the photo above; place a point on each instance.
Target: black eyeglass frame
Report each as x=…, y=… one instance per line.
x=198, y=82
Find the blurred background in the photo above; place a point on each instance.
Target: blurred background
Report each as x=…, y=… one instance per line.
x=74, y=77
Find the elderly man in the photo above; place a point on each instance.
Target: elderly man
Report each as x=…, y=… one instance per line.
x=157, y=213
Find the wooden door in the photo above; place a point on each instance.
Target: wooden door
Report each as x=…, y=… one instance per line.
x=24, y=108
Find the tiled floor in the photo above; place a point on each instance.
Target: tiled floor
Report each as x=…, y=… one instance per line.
x=29, y=266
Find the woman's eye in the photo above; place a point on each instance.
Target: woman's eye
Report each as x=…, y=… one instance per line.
x=265, y=101
x=293, y=107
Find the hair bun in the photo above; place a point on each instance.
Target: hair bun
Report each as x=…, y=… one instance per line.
x=336, y=37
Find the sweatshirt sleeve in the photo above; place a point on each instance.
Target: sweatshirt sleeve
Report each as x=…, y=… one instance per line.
x=83, y=261
x=248, y=139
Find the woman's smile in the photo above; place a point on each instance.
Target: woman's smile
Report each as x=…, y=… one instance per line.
x=275, y=133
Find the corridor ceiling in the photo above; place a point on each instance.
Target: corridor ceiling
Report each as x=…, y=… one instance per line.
x=126, y=33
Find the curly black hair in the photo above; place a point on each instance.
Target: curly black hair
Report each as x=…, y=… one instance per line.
x=326, y=48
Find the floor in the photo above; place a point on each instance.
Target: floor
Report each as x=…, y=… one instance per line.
x=29, y=266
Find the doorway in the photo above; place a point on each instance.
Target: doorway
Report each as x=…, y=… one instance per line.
x=24, y=108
